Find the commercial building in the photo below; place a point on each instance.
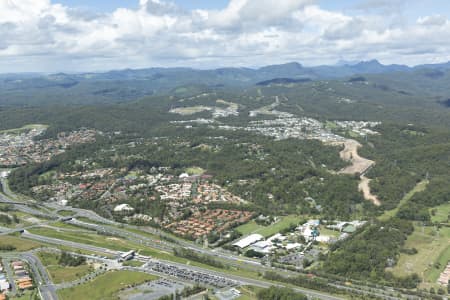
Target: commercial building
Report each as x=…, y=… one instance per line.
x=249, y=240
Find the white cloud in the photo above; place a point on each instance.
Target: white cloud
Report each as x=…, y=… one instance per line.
x=38, y=35
x=435, y=20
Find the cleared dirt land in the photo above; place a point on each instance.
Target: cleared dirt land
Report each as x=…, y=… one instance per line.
x=359, y=165
x=350, y=153
x=365, y=188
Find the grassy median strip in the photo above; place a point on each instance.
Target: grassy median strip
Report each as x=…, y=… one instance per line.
x=17, y=243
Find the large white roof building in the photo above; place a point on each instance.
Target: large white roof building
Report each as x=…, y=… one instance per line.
x=123, y=207
x=248, y=240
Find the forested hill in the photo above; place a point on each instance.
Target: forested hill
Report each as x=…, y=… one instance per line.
x=394, y=98
x=127, y=85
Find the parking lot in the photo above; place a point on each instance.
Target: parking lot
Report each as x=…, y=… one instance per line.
x=153, y=290
x=191, y=275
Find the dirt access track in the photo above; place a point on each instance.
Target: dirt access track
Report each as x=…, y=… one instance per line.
x=359, y=166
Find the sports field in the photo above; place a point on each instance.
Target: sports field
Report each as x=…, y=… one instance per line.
x=267, y=231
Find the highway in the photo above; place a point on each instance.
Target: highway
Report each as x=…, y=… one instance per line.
x=239, y=279
x=242, y=280
x=230, y=259
x=110, y=227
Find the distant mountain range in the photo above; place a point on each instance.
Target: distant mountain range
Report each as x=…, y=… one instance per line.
x=292, y=69
x=125, y=85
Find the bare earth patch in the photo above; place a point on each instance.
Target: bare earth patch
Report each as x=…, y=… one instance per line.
x=365, y=188
x=359, y=166
x=350, y=153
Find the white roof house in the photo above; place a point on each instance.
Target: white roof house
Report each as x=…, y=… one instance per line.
x=123, y=207
x=248, y=240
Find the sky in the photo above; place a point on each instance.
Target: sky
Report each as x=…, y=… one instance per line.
x=98, y=35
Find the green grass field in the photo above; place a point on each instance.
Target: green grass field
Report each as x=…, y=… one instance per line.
x=60, y=273
x=248, y=292
x=19, y=243
x=87, y=220
x=105, y=286
x=141, y=232
x=442, y=213
x=267, y=231
x=432, y=247
x=133, y=263
x=421, y=186
x=47, y=176
x=113, y=243
x=331, y=125
x=66, y=213
x=67, y=274
x=81, y=251
x=87, y=238
x=48, y=258
x=249, y=228
x=328, y=232
x=195, y=171
x=22, y=129
x=432, y=274
x=26, y=295
x=186, y=111
x=69, y=226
